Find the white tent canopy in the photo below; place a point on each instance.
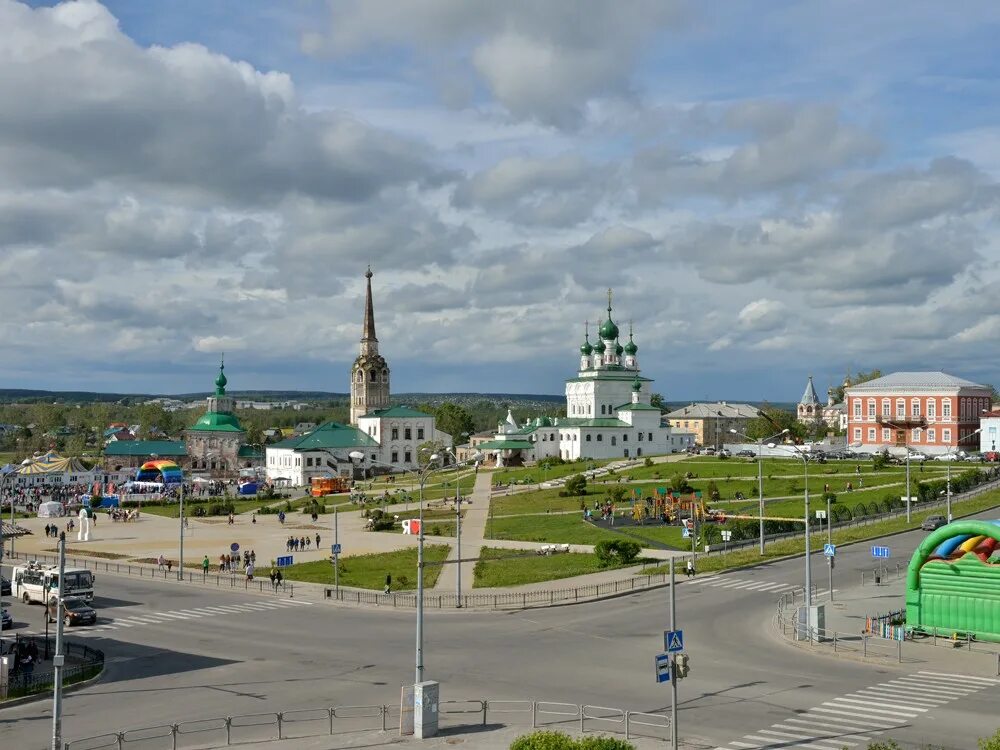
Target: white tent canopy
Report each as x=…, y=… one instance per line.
x=50, y=509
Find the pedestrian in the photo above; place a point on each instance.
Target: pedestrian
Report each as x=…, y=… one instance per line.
x=204, y=566
x=161, y=561
x=273, y=575
x=170, y=565
x=253, y=557
x=317, y=541
x=278, y=579
x=388, y=583
x=689, y=569
x=253, y=519
x=249, y=570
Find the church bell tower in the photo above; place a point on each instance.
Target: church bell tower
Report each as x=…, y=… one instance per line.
x=370, y=372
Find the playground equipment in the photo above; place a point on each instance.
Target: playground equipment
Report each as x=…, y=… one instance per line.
x=162, y=471
x=953, y=580
x=667, y=506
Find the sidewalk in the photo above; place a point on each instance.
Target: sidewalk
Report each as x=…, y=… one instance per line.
x=473, y=533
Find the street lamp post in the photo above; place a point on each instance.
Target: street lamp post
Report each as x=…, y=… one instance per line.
x=760, y=475
x=808, y=589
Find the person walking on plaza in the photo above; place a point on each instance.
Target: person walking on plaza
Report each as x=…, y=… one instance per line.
x=170, y=565
x=317, y=541
x=388, y=583
x=249, y=571
x=204, y=566
x=161, y=561
x=689, y=569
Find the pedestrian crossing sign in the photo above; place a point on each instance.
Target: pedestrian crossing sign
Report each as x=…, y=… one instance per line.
x=673, y=641
x=829, y=550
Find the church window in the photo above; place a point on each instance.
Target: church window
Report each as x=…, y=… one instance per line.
x=651, y=437
x=309, y=461
x=640, y=440
x=385, y=376
x=420, y=433
x=915, y=407
x=614, y=440
x=395, y=457
x=374, y=457
x=373, y=376
x=602, y=408
x=407, y=434
x=298, y=461
x=361, y=376
x=395, y=435
x=600, y=437
x=406, y=457
x=886, y=408
x=588, y=437
x=625, y=440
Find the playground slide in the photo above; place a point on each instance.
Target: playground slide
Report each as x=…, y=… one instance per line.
x=948, y=546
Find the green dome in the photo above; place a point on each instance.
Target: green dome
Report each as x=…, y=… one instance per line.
x=220, y=381
x=630, y=347
x=637, y=385
x=586, y=349
x=609, y=331
x=619, y=349
x=217, y=421
x=599, y=347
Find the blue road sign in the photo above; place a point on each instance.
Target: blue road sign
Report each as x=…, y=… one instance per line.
x=335, y=549
x=661, y=663
x=673, y=640
x=880, y=552
x=686, y=533
x=234, y=547
x=284, y=561
x=829, y=550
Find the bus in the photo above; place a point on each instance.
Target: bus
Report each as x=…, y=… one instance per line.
x=31, y=582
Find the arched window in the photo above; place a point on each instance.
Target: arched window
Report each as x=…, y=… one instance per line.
x=614, y=441
x=373, y=376
x=361, y=376
x=600, y=437
x=385, y=376
x=602, y=408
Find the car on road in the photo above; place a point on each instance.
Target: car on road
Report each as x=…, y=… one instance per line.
x=75, y=611
x=724, y=452
x=4, y=586
x=6, y=621
x=746, y=454
x=933, y=522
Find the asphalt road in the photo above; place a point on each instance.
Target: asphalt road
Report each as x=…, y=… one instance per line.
x=189, y=659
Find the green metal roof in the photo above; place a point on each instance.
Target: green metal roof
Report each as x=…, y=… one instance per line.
x=145, y=448
x=513, y=445
x=398, y=412
x=250, y=451
x=217, y=421
x=637, y=407
x=610, y=375
x=328, y=436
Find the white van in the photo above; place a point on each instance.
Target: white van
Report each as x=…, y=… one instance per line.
x=35, y=582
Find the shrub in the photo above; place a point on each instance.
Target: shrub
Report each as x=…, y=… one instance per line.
x=648, y=461
x=436, y=531
x=612, y=551
x=544, y=740
x=712, y=489
x=990, y=743
x=576, y=485
x=603, y=743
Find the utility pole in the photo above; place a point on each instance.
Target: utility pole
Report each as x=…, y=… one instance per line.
x=948, y=495
x=829, y=540
x=180, y=562
x=58, y=659
x=673, y=660
x=458, y=531
x=336, y=555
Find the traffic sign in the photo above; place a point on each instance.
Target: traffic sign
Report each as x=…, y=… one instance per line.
x=234, y=547
x=335, y=549
x=661, y=664
x=284, y=561
x=820, y=514
x=829, y=550
x=685, y=533
x=673, y=640
x=880, y=552
x=726, y=535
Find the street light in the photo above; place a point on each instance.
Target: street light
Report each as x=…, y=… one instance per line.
x=906, y=447
x=477, y=459
x=805, y=467
x=760, y=475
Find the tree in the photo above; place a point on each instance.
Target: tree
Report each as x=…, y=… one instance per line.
x=576, y=485
x=772, y=421
x=656, y=400
x=429, y=448
x=857, y=379
x=454, y=420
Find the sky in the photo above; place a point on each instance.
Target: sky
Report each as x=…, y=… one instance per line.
x=772, y=190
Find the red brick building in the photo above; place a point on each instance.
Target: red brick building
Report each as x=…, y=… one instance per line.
x=931, y=412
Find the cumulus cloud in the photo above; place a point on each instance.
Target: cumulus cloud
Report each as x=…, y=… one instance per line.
x=762, y=315
x=541, y=61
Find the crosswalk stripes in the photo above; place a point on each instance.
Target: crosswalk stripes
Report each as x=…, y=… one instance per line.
x=866, y=713
x=746, y=584
x=157, y=618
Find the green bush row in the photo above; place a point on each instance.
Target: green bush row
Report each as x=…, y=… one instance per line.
x=548, y=740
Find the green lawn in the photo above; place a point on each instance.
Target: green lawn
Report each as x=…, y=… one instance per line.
x=174, y=509
x=535, y=474
x=840, y=536
x=538, y=501
x=492, y=571
x=562, y=529
x=442, y=487
x=369, y=571
x=442, y=520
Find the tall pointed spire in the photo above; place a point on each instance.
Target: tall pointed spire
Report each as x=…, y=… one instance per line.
x=368, y=329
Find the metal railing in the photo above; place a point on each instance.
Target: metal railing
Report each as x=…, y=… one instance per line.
x=235, y=579
x=82, y=663
x=224, y=731
x=873, y=646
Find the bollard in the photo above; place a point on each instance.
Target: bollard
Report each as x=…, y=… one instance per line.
x=834, y=641
x=121, y=740
x=581, y=718
x=534, y=714
x=899, y=652
x=229, y=730
x=484, y=702
x=278, y=716
x=173, y=736
x=998, y=664
x=864, y=646
x=385, y=717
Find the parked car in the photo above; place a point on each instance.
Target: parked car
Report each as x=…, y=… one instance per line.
x=933, y=522
x=948, y=457
x=75, y=611
x=724, y=452
x=6, y=621
x=971, y=457
x=4, y=586
x=746, y=454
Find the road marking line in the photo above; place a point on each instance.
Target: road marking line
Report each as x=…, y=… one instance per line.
x=723, y=583
x=742, y=744
x=836, y=739
x=294, y=602
x=811, y=737
x=896, y=722
x=119, y=623
x=736, y=585
x=922, y=687
x=171, y=616
x=869, y=726
x=886, y=695
x=228, y=608
x=188, y=612
x=765, y=740
x=760, y=586
x=830, y=726
x=774, y=586
x=963, y=678
x=868, y=711
x=869, y=702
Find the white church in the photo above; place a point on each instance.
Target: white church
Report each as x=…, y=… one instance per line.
x=381, y=437
x=608, y=412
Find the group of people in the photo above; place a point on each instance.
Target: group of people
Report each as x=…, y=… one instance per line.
x=605, y=510
x=25, y=653
x=123, y=515
x=294, y=544
x=231, y=563
x=51, y=530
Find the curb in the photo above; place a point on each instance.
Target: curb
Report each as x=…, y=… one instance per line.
x=45, y=695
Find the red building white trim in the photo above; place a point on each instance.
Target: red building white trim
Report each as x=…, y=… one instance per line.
x=929, y=412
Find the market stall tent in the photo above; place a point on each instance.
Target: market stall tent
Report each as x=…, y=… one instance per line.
x=50, y=509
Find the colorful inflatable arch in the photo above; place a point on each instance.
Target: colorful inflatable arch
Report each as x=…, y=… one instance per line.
x=163, y=471
x=953, y=582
